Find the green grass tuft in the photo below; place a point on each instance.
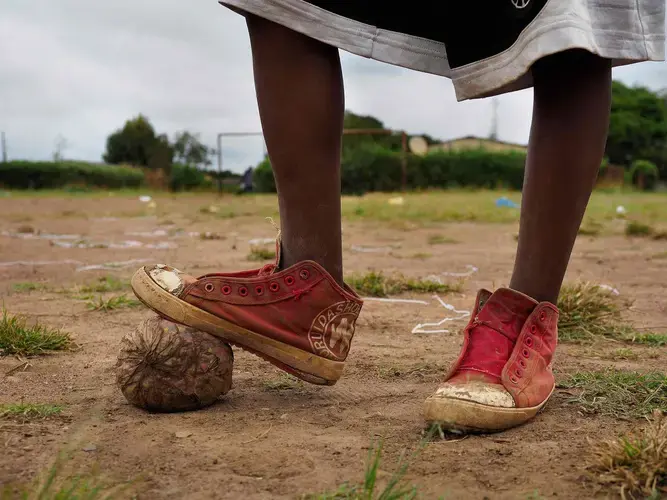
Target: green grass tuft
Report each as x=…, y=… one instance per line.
x=105, y=284
x=589, y=312
x=261, y=254
x=438, y=239
x=634, y=228
x=635, y=463
x=17, y=337
x=57, y=484
x=111, y=304
x=27, y=286
x=28, y=410
x=395, y=487
x=374, y=284
x=620, y=394
x=283, y=382
x=591, y=228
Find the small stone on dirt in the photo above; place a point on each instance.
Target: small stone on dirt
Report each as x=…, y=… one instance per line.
x=182, y=434
x=89, y=448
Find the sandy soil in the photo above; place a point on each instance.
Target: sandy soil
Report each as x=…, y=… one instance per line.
x=272, y=440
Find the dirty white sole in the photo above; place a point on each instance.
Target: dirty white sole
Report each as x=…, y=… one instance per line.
x=305, y=365
x=468, y=416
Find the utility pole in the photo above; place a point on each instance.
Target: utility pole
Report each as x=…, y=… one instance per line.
x=494, y=120
x=219, y=163
x=3, y=146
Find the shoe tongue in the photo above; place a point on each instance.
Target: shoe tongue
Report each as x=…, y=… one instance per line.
x=506, y=310
x=500, y=317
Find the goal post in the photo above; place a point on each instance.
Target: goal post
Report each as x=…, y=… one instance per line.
x=350, y=131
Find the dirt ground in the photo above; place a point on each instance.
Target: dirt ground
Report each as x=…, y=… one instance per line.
x=271, y=437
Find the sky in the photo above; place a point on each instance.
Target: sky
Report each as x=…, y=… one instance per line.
x=77, y=70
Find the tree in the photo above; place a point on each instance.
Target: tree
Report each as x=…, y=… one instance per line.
x=637, y=127
x=353, y=121
x=134, y=144
x=189, y=150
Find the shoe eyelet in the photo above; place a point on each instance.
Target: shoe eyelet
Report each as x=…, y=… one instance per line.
x=526, y=353
x=533, y=329
x=226, y=290
x=528, y=341
x=522, y=363
x=243, y=291
x=289, y=280
x=274, y=287
x=209, y=287
x=304, y=274
x=259, y=290
x=514, y=380
x=543, y=316
x=518, y=372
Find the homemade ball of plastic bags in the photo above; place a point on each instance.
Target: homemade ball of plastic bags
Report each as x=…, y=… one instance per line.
x=165, y=367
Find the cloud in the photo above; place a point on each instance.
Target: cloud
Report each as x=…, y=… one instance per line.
x=80, y=69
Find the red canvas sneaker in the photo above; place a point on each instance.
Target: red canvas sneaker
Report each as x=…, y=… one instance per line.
x=503, y=375
x=298, y=318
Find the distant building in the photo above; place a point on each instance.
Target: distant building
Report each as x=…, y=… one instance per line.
x=472, y=142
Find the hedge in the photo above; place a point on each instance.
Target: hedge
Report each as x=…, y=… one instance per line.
x=185, y=178
x=51, y=175
x=374, y=168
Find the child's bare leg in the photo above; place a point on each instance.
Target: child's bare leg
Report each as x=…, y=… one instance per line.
x=567, y=141
x=503, y=375
x=301, y=103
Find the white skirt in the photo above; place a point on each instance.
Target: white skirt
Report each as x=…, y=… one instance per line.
x=485, y=47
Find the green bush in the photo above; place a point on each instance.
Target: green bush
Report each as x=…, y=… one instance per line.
x=645, y=170
x=371, y=167
x=263, y=179
x=185, y=178
x=53, y=175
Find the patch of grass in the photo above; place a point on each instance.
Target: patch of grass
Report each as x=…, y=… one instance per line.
x=421, y=256
x=619, y=394
x=105, y=284
x=261, y=254
x=623, y=354
x=111, y=304
x=659, y=255
x=17, y=337
x=283, y=382
x=651, y=339
x=635, y=463
x=375, y=284
x=58, y=484
x=588, y=311
x=439, y=239
x=28, y=410
x=660, y=236
x=591, y=228
x=639, y=229
x=27, y=286
x=395, y=487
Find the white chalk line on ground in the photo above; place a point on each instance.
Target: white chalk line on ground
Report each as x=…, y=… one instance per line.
x=420, y=328
x=437, y=277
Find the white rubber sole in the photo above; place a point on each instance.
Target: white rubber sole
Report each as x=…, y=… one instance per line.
x=468, y=416
x=303, y=364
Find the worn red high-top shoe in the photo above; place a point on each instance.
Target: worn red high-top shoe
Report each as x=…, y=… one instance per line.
x=298, y=318
x=503, y=375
